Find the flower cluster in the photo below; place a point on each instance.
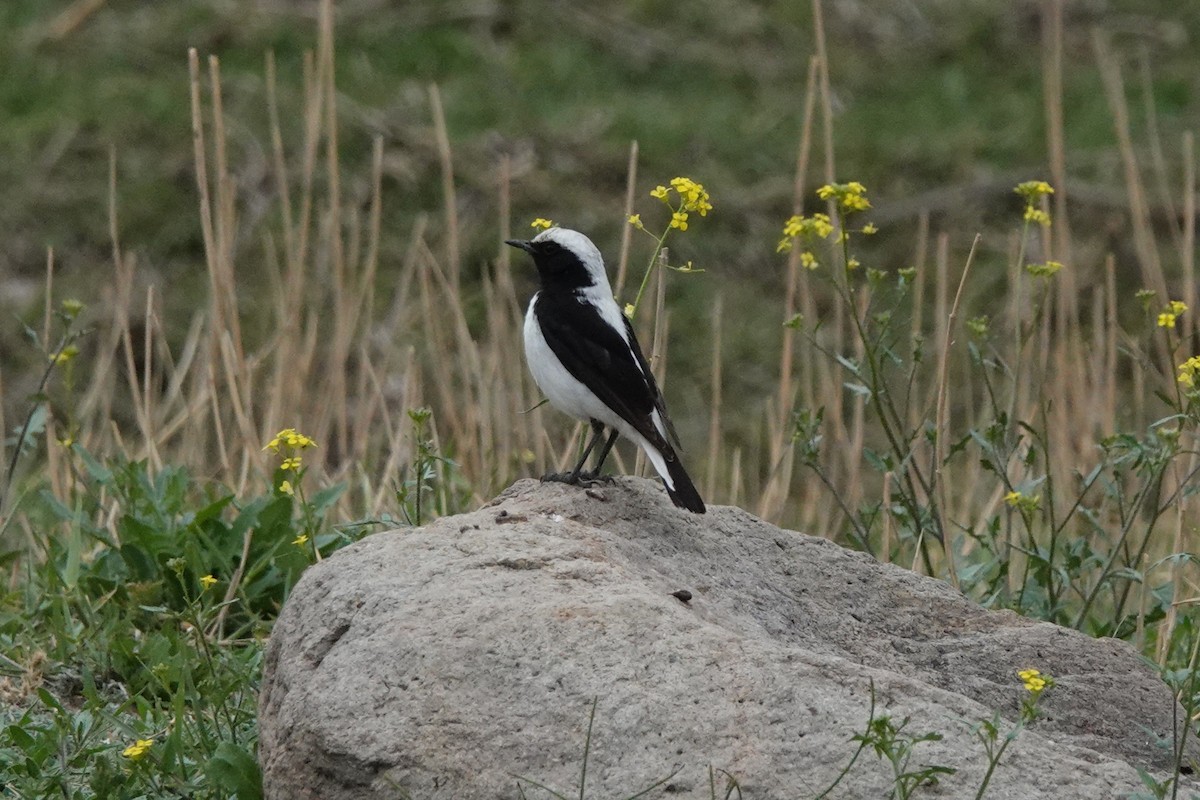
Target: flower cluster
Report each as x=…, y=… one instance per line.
x=288, y=444
x=1035, y=681
x=1172, y=311
x=137, y=749
x=542, y=224
x=818, y=226
x=1023, y=502
x=65, y=356
x=850, y=197
x=288, y=437
x=1188, y=372
x=1033, y=192
x=692, y=199
x=1044, y=270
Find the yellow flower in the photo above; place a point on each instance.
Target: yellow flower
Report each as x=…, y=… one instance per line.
x=636, y=221
x=818, y=226
x=1173, y=310
x=978, y=325
x=292, y=463
x=1043, y=270
x=1022, y=501
x=65, y=355
x=679, y=220
x=853, y=264
x=1036, y=215
x=659, y=192
x=137, y=749
x=1034, y=680
x=629, y=309
x=808, y=260
x=300, y=540
x=870, y=228
x=851, y=197
x=1188, y=371
x=692, y=195
x=542, y=224
x=290, y=438
x=208, y=581
x=1032, y=190
x=72, y=308
x=285, y=487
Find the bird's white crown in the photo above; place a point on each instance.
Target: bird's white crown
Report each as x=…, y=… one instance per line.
x=583, y=248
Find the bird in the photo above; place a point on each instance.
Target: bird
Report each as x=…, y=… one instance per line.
x=585, y=358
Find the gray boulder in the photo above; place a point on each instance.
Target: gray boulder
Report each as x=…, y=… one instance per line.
x=461, y=660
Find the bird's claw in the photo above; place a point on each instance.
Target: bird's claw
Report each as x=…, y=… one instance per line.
x=578, y=479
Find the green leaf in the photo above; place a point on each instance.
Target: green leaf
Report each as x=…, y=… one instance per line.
x=233, y=769
x=881, y=463
x=323, y=500
x=96, y=471
x=858, y=389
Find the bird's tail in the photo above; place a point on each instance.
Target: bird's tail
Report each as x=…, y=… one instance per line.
x=684, y=493
x=666, y=463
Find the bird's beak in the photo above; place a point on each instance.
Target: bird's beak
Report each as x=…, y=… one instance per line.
x=521, y=244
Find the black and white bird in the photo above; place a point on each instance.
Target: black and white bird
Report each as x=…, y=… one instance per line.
x=586, y=360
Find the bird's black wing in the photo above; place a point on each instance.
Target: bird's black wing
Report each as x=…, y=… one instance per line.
x=659, y=402
x=598, y=357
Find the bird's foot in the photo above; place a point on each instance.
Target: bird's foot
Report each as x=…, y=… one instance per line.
x=588, y=479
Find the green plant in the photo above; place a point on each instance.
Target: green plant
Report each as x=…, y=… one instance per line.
x=137, y=630
x=58, y=357
x=988, y=731
x=432, y=477
x=587, y=747
x=892, y=743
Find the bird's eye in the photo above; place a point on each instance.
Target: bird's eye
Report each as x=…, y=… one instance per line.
x=550, y=248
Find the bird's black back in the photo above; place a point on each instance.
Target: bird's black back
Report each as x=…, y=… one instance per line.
x=598, y=357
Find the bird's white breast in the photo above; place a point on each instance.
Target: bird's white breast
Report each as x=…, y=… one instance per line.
x=565, y=392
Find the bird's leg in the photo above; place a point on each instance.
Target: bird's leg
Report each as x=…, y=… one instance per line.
x=595, y=475
x=574, y=475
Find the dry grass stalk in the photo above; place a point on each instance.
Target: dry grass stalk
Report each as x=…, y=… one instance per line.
x=627, y=230
x=712, y=469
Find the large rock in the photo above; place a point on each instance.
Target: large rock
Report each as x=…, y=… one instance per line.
x=446, y=661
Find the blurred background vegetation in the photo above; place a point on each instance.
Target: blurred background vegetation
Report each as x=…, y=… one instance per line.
x=938, y=107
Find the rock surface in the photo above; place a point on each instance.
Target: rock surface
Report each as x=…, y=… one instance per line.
x=460, y=660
